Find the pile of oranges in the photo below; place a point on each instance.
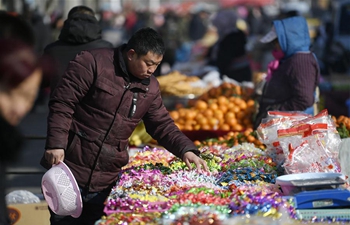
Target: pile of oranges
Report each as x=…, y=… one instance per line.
x=342, y=120
x=233, y=138
x=227, y=113
x=227, y=89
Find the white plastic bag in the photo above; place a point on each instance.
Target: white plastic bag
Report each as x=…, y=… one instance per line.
x=21, y=197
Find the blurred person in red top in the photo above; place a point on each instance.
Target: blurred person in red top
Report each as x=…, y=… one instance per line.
x=20, y=79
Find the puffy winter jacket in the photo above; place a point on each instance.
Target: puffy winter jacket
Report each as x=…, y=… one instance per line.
x=80, y=32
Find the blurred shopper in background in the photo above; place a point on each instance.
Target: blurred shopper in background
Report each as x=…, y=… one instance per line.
x=198, y=24
x=229, y=53
x=171, y=32
x=42, y=31
x=81, y=31
x=293, y=77
x=20, y=78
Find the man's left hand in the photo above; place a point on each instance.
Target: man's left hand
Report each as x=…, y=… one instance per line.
x=189, y=157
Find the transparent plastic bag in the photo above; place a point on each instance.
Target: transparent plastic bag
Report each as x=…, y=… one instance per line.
x=21, y=197
x=301, y=143
x=344, y=158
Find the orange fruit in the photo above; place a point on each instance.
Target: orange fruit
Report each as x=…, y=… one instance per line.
x=218, y=114
x=213, y=106
x=226, y=85
x=196, y=142
x=243, y=105
x=249, y=130
x=182, y=112
x=237, y=127
x=202, y=121
x=240, y=115
x=250, y=139
x=174, y=115
x=229, y=115
x=201, y=105
x=180, y=121
x=197, y=127
x=213, y=122
x=236, y=100
x=235, y=109
x=190, y=115
x=231, y=121
x=225, y=127
x=206, y=127
x=190, y=122
x=232, y=99
x=222, y=100
x=213, y=100
x=238, y=90
x=250, y=102
x=188, y=127
x=208, y=113
x=223, y=108
x=198, y=116
x=230, y=105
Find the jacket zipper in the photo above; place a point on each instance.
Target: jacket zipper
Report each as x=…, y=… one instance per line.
x=133, y=105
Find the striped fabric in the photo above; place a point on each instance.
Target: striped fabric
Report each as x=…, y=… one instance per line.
x=293, y=84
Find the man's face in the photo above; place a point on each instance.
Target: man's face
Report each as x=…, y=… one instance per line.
x=142, y=66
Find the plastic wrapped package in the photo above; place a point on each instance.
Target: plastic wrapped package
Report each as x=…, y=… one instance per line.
x=312, y=148
x=276, y=120
x=310, y=144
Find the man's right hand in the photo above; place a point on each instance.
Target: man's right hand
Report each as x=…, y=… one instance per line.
x=54, y=156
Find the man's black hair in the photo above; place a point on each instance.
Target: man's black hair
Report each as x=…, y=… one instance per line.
x=146, y=40
x=81, y=9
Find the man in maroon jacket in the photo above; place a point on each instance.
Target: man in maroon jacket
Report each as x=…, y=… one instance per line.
x=95, y=107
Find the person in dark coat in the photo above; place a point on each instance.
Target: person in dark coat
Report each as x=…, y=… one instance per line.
x=229, y=54
x=81, y=31
x=20, y=78
x=198, y=25
x=94, y=109
x=293, y=77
